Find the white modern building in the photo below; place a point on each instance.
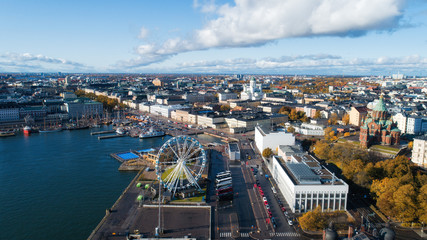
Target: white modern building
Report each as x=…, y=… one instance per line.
x=165, y=110
x=252, y=91
x=226, y=95
x=286, y=151
x=234, y=151
x=310, y=129
x=400, y=119
x=305, y=184
x=414, y=124
x=419, y=151
x=410, y=124
x=268, y=139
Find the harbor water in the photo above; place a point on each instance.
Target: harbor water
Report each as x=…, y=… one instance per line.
x=58, y=185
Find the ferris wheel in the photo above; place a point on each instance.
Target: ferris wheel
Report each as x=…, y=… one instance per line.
x=180, y=163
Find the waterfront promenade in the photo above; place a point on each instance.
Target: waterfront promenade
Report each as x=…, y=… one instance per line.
x=127, y=215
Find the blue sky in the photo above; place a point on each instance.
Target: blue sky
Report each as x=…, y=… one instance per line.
x=363, y=37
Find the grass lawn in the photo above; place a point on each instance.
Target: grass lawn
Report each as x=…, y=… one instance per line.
x=193, y=199
x=166, y=173
x=385, y=149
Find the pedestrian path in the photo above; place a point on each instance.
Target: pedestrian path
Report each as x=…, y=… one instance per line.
x=284, y=234
x=228, y=235
x=277, y=234
x=225, y=234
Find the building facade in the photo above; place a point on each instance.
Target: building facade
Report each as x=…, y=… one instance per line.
x=419, y=151
x=357, y=114
x=252, y=91
x=306, y=185
x=268, y=139
x=9, y=112
x=379, y=129
x=83, y=107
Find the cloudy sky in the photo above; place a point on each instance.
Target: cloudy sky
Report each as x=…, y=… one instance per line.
x=363, y=37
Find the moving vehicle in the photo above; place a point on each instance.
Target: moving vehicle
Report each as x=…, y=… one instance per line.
x=223, y=184
x=220, y=180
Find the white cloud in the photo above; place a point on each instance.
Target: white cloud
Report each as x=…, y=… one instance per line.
x=25, y=61
x=143, y=33
x=315, y=64
x=255, y=22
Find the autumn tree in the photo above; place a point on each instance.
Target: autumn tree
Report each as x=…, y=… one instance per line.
x=330, y=134
x=224, y=108
x=321, y=149
x=333, y=119
x=422, y=201
x=411, y=144
x=405, y=203
x=383, y=190
x=317, y=115
x=291, y=129
x=293, y=115
x=312, y=220
x=267, y=153
x=345, y=119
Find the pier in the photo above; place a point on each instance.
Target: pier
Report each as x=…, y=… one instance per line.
x=110, y=136
x=102, y=132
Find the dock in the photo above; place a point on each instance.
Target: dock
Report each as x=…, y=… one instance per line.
x=102, y=132
x=110, y=136
x=128, y=214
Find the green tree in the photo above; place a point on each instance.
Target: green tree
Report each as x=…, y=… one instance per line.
x=267, y=153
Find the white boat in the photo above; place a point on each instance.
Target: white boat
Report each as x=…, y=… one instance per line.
x=120, y=131
x=151, y=133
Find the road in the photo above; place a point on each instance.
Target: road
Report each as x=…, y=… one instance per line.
x=247, y=203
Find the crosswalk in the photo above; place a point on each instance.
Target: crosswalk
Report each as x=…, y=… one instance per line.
x=244, y=234
x=225, y=234
x=284, y=234
x=272, y=234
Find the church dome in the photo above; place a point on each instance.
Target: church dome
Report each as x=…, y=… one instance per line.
x=387, y=233
x=330, y=233
x=380, y=107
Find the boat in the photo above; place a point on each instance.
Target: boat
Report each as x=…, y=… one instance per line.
x=151, y=133
x=7, y=133
x=49, y=130
x=44, y=129
x=27, y=130
x=120, y=131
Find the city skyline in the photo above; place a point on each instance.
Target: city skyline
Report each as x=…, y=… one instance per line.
x=359, y=37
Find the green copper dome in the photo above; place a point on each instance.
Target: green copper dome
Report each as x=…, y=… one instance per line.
x=380, y=107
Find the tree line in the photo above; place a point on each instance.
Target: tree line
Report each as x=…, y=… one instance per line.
x=397, y=185
x=108, y=103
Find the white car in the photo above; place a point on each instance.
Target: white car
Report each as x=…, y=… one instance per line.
x=264, y=199
x=290, y=222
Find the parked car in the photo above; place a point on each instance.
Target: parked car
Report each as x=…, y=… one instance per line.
x=290, y=222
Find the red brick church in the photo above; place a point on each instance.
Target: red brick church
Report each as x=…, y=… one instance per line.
x=379, y=128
